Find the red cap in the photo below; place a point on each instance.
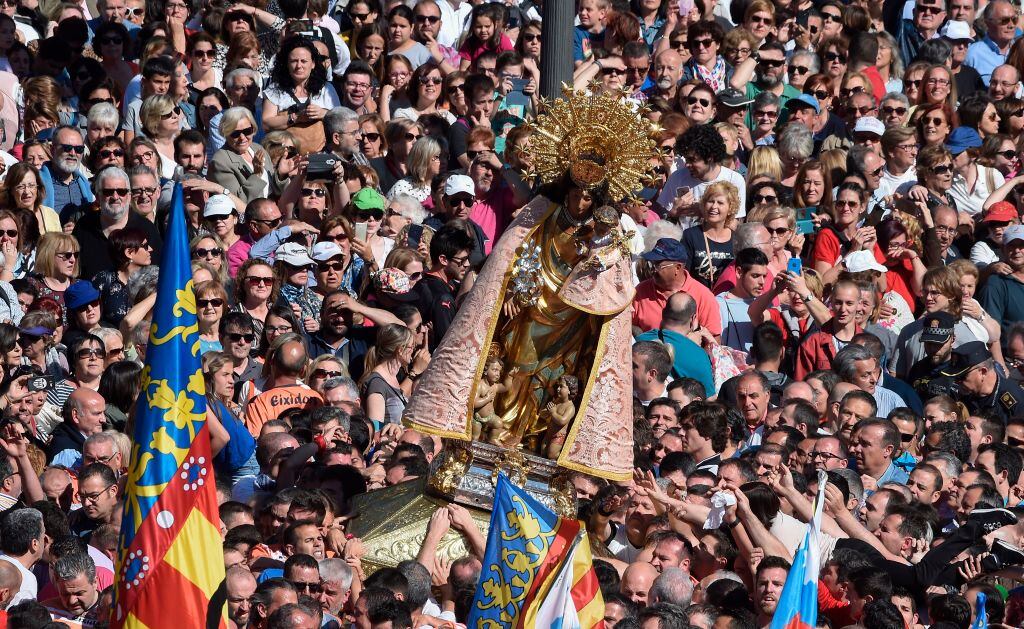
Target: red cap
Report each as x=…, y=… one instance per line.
x=1001, y=212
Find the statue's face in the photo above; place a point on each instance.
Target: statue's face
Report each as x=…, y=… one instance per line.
x=579, y=201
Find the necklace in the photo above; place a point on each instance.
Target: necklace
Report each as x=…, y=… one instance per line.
x=572, y=222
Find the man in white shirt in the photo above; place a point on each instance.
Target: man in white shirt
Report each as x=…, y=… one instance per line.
x=454, y=15
x=702, y=149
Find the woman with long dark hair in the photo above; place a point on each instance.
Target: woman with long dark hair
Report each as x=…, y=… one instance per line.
x=120, y=386
x=299, y=94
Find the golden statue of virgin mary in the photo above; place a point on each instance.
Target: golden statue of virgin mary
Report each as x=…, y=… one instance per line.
x=551, y=304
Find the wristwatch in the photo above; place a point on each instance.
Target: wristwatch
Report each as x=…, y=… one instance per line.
x=808, y=297
x=226, y=192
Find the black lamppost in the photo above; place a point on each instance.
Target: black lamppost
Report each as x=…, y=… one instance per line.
x=556, y=62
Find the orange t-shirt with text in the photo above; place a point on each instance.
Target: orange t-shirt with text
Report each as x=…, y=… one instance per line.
x=272, y=402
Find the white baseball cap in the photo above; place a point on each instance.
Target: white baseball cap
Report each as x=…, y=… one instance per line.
x=956, y=30
x=869, y=124
x=294, y=254
x=859, y=261
x=459, y=184
x=324, y=251
x=218, y=205
x=1013, y=232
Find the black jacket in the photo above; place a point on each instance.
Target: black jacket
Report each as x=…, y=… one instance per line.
x=65, y=437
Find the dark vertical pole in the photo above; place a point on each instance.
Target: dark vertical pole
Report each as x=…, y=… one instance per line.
x=556, y=63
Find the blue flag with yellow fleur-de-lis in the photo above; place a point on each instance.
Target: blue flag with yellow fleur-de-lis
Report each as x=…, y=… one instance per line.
x=170, y=549
x=537, y=569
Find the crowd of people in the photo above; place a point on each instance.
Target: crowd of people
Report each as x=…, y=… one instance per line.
x=828, y=268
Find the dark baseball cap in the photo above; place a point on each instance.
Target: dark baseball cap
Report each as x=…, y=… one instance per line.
x=938, y=327
x=966, y=357
x=667, y=250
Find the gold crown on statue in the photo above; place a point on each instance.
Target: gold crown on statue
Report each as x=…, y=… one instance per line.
x=597, y=138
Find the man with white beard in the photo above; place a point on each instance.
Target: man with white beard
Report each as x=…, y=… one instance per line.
x=667, y=72
x=770, y=74
x=113, y=192
x=67, y=188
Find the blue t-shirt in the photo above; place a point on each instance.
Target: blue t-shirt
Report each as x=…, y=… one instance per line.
x=582, y=39
x=691, y=361
x=241, y=446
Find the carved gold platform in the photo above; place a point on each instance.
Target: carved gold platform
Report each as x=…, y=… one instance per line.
x=392, y=522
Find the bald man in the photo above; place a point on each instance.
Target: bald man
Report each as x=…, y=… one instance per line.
x=667, y=72
x=241, y=585
x=637, y=581
x=10, y=583
x=284, y=390
x=797, y=390
x=83, y=417
x=1004, y=82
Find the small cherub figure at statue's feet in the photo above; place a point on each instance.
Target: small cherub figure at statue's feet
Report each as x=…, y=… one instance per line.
x=559, y=412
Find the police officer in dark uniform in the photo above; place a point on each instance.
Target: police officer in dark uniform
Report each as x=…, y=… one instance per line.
x=980, y=384
x=938, y=339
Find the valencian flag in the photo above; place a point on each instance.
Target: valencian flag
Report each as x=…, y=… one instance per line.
x=537, y=568
x=169, y=565
x=798, y=605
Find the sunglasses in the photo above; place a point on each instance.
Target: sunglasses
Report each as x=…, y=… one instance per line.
x=121, y=192
x=77, y=148
x=113, y=41
x=361, y=17
x=371, y=137
x=201, y=252
x=108, y=153
x=530, y=37
x=707, y=42
x=10, y=233
x=693, y=100
x=877, y=172
x=799, y=69
x=216, y=302
x=461, y=199
x=67, y=255
x=1007, y=155
x=899, y=111
x=330, y=266
x=456, y=88
x=428, y=19
x=764, y=113
x=771, y=63
x=432, y=80
x=235, y=337
x=90, y=352
x=930, y=10
x=942, y=170
x=777, y=231
x=820, y=95
x=611, y=71
x=314, y=192
x=256, y=280
x=323, y=373
x=845, y=93
x=137, y=12
x=835, y=56
x=865, y=110
x=371, y=214
x=174, y=112
x=203, y=54
x=831, y=17
x=935, y=122
x=269, y=222
x=412, y=137
x=237, y=133
x=765, y=198
x=97, y=101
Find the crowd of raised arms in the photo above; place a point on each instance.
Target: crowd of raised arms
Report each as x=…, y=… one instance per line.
x=829, y=272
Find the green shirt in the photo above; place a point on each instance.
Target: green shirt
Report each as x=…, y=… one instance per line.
x=788, y=92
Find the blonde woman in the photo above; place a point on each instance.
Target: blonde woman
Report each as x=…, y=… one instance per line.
x=764, y=160
x=786, y=243
x=384, y=396
x=321, y=369
x=241, y=166
x=974, y=316
x=57, y=265
x=709, y=245
x=211, y=304
x=211, y=250
x=423, y=164
x=161, y=120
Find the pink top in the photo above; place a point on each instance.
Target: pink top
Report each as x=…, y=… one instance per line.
x=470, y=52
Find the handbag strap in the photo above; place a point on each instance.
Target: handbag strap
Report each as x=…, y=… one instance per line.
x=711, y=264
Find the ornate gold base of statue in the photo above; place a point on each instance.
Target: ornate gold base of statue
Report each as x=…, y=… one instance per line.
x=533, y=376
x=392, y=522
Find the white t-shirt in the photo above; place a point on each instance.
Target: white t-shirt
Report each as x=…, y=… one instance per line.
x=971, y=201
x=888, y=183
x=326, y=98
x=682, y=177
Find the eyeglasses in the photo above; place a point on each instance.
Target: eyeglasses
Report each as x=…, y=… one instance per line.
x=930, y=10
x=278, y=329
x=899, y=111
x=771, y=63
x=764, y=113
x=202, y=252
x=312, y=588
x=330, y=266
x=937, y=81
x=89, y=459
x=693, y=100
x=236, y=337
x=216, y=302
x=371, y=214
x=256, y=280
x=799, y=69
x=827, y=456
x=204, y=54
x=765, y=198
x=323, y=373
x=909, y=148
x=67, y=255
x=96, y=496
x=427, y=19
x=942, y=170
x=76, y=148
x=90, y=352
x=706, y=42
x=237, y=133
x=835, y=56
x=314, y=192
x=269, y=222
x=108, y=153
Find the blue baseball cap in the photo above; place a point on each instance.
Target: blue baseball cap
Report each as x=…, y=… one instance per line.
x=961, y=139
x=804, y=100
x=667, y=250
x=80, y=294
